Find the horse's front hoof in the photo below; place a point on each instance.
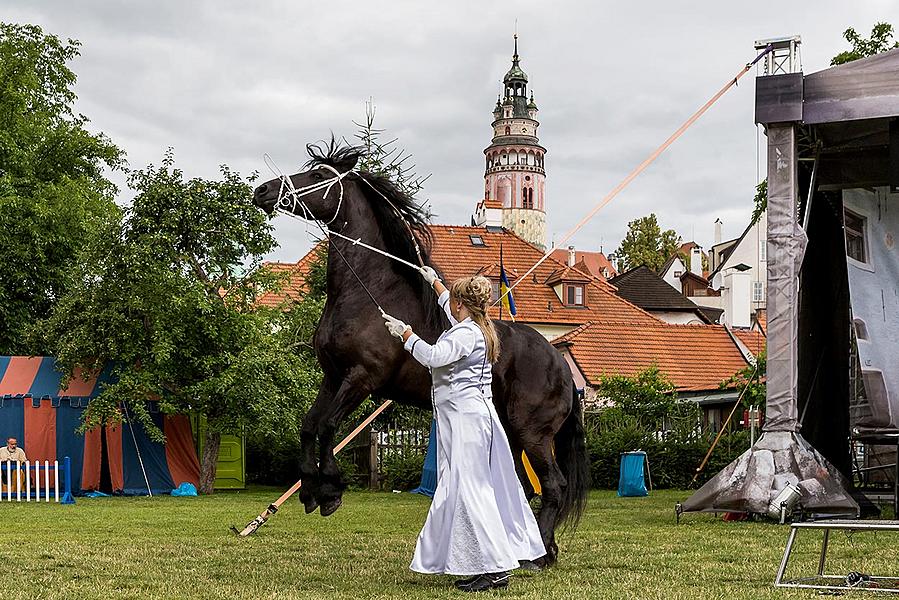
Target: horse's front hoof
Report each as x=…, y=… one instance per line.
x=330, y=507
x=310, y=505
x=548, y=559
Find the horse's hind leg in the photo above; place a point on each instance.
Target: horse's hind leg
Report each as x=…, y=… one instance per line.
x=552, y=482
x=352, y=391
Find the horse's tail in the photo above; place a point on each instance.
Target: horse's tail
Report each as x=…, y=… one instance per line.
x=573, y=459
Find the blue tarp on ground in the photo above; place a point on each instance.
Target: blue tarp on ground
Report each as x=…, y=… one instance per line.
x=429, y=472
x=631, y=481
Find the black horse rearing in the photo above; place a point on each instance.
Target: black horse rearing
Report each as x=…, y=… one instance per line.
x=533, y=391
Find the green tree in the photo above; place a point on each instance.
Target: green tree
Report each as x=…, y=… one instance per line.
x=646, y=244
x=53, y=195
x=881, y=40
x=649, y=396
x=760, y=201
x=169, y=301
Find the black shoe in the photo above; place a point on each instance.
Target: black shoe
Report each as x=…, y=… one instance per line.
x=529, y=565
x=462, y=583
x=487, y=581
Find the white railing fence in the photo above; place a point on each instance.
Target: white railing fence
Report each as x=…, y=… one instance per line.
x=36, y=481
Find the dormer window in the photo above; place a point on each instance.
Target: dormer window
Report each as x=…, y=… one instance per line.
x=494, y=291
x=574, y=294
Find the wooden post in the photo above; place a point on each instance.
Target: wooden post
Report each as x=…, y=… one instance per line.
x=373, y=479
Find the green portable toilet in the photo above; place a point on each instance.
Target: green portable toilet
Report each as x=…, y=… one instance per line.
x=231, y=470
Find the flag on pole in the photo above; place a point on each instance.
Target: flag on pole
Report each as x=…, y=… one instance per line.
x=504, y=286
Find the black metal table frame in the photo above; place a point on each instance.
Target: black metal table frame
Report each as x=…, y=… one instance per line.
x=885, y=439
x=846, y=525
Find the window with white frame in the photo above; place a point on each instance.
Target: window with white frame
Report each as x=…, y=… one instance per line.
x=763, y=250
x=856, y=243
x=758, y=291
x=574, y=294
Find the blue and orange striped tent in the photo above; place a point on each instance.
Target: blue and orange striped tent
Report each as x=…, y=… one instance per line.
x=45, y=419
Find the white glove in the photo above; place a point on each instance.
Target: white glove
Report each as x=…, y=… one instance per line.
x=395, y=327
x=429, y=274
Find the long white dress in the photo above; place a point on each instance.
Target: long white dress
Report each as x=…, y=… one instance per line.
x=479, y=521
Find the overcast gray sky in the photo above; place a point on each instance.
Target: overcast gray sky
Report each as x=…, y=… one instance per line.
x=226, y=81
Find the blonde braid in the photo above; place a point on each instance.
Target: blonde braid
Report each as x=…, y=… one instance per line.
x=474, y=294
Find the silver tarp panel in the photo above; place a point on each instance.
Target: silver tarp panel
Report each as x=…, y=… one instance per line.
x=786, y=248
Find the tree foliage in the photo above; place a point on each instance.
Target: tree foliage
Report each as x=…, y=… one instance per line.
x=54, y=197
x=881, y=40
x=646, y=244
x=750, y=382
x=169, y=301
x=760, y=201
x=649, y=396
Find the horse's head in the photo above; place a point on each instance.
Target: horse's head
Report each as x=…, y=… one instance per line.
x=314, y=193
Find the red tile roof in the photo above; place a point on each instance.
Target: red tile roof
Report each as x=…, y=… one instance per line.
x=488, y=203
x=295, y=285
x=537, y=303
x=569, y=275
x=693, y=357
x=594, y=261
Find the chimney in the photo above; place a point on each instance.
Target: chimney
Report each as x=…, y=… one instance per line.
x=718, y=225
x=735, y=298
x=696, y=260
x=572, y=257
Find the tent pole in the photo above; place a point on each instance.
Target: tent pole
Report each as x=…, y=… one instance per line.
x=136, y=449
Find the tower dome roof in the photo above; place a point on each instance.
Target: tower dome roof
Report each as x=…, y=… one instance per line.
x=515, y=73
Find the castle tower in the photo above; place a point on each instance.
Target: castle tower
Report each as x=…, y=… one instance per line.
x=514, y=177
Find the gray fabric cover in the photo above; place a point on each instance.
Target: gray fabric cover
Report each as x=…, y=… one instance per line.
x=786, y=248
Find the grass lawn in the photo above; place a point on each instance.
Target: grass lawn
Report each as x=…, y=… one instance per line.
x=181, y=548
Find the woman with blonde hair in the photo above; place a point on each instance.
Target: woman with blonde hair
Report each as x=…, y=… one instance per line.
x=479, y=524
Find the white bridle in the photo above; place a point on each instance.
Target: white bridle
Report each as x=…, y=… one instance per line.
x=289, y=201
x=289, y=196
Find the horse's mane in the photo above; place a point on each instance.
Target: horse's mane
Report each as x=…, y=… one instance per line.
x=394, y=227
